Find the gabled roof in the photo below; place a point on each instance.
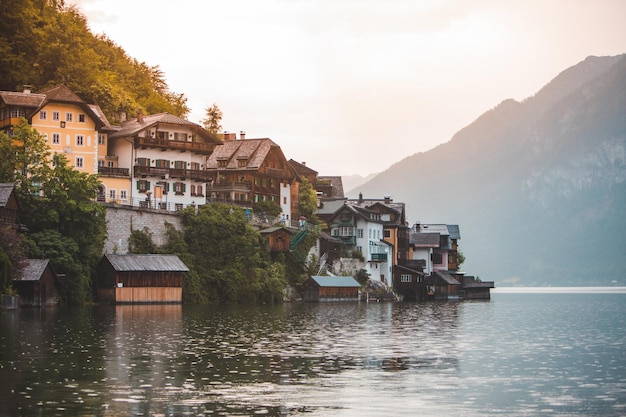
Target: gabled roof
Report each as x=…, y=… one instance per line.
x=454, y=231
x=33, y=269
x=301, y=168
x=344, y=282
x=134, y=126
x=364, y=213
x=442, y=229
x=14, y=98
x=270, y=230
x=252, y=151
x=5, y=192
x=62, y=94
x=331, y=186
x=146, y=263
x=424, y=240
x=445, y=277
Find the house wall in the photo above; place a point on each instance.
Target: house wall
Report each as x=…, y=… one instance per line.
x=423, y=254
x=68, y=145
x=285, y=201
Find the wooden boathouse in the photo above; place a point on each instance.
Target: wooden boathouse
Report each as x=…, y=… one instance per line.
x=37, y=284
x=128, y=279
x=322, y=288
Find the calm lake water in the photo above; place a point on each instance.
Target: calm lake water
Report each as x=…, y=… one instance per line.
x=520, y=354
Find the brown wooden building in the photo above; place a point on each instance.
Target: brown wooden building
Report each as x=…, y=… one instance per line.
x=37, y=284
x=322, y=288
x=277, y=239
x=140, y=279
x=9, y=208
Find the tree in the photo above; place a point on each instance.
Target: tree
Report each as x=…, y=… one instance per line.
x=307, y=201
x=213, y=121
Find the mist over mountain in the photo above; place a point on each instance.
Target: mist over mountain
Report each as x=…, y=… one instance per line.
x=538, y=187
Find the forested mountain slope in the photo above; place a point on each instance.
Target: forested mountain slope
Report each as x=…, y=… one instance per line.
x=538, y=187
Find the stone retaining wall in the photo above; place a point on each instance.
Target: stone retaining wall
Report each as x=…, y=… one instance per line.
x=122, y=220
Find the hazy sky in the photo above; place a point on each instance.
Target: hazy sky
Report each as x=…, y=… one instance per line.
x=353, y=86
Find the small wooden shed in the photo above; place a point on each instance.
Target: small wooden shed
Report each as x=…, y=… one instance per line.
x=140, y=279
x=277, y=239
x=9, y=207
x=322, y=288
x=37, y=284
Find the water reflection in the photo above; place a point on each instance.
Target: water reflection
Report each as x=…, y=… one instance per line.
x=510, y=356
x=174, y=360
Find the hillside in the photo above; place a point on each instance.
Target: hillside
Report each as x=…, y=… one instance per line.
x=538, y=187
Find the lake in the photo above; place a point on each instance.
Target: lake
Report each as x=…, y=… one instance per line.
x=523, y=353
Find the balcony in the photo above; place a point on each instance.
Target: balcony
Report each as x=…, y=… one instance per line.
x=193, y=174
x=379, y=257
x=166, y=144
x=114, y=172
x=230, y=186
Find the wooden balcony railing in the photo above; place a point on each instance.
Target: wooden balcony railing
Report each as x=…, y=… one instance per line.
x=114, y=172
x=198, y=147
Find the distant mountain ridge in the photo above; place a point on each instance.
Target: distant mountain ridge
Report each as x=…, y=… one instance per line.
x=538, y=187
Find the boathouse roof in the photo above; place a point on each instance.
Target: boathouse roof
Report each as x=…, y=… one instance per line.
x=324, y=281
x=146, y=263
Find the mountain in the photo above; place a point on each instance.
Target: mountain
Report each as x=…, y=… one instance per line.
x=350, y=182
x=538, y=187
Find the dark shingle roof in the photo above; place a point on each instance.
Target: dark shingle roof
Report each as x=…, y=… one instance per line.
x=424, y=240
x=13, y=98
x=5, y=192
x=146, y=263
x=253, y=151
x=132, y=127
x=33, y=269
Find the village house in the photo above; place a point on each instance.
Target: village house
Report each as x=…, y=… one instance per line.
x=37, y=284
x=361, y=231
x=124, y=279
x=246, y=171
x=69, y=125
x=157, y=161
x=277, y=238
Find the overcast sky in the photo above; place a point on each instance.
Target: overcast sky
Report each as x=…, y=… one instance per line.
x=353, y=86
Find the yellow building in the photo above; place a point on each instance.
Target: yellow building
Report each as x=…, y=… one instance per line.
x=70, y=126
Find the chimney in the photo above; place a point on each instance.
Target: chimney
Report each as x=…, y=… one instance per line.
x=242, y=135
x=140, y=116
x=27, y=88
x=229, y=136
x=388, y=199
x=360, y=197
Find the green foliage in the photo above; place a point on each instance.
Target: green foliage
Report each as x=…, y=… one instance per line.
x=307, y=199
x=54, y=46
x=362, y=276
x=57, y=204
x=460, y=259
x=11, y=257
x=270, y=208
x=140, y=242
x=213, y=121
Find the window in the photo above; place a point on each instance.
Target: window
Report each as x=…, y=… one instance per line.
x=112, y=194
x=193, y=190
x=143, y=162
x=406, y=278
x=241, y=163
x=101, y=139
x=17, y=112
x=56, y=116
x=43, y=115
x=100, y=163
x=162, y=135
x=56, y=138
x=110, y=164
x=181, y=136
x=179, y=188
x=80, y=140
x=81, y=118
x=284, y=200
x=143, y=186
x=359, y=232
x=199, y=191
x=79, y=162
x=162, y=163
x=345, y=231
x=221, y=164
x=180, y=164
x=123, y=194
x=195, y=166
x=387, y=233
x=69, y=117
